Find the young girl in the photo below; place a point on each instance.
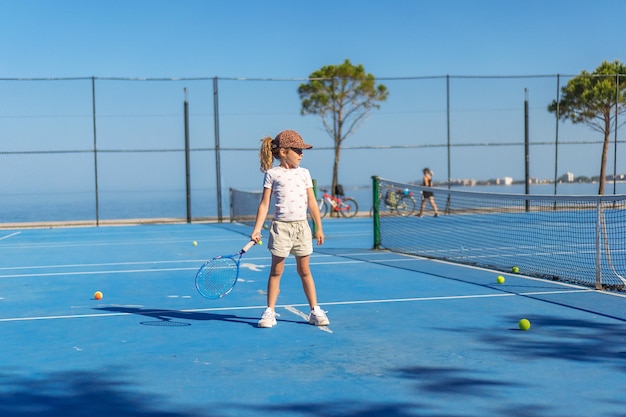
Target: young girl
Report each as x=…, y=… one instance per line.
x=290, y=233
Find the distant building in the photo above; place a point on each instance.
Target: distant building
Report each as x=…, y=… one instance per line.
x=567, y=177
x=618, y=177
x=464, y=182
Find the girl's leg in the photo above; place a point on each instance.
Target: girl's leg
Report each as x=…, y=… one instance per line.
x=304, y=270
x=273, y=283
x=268, y=319
x=317, y=316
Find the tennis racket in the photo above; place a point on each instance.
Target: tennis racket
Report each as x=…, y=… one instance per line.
x=217, y=277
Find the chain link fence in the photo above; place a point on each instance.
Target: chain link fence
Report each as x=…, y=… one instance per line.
x=95, y=150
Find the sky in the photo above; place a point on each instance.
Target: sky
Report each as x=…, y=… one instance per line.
x=279, y=39
x=397, y=38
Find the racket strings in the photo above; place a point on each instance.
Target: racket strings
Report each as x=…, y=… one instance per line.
x=217, y=277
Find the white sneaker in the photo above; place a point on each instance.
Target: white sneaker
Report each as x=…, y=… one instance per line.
x=268, y=319
x=318, y=317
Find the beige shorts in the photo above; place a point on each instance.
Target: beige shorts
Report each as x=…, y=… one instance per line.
x=293, y=238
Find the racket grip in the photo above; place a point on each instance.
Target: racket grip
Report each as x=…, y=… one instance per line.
x=248, y=246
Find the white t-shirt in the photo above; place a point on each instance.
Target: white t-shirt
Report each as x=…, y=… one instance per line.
x=289, y=189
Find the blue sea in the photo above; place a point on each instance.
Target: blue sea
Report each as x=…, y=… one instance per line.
x=172, y=204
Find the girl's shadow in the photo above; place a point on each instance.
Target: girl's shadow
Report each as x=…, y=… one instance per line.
x=170, y=318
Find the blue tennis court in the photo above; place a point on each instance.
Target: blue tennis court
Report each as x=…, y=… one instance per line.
x=408, y=336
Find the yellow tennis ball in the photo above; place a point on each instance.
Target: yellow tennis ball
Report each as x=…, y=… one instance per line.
x=260, y=242
x=515, y=270
x=500, y=279
x=524, y=324
x=97, y=295
x=195, y=243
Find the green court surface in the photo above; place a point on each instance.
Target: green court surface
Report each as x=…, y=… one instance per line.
x=408, y=336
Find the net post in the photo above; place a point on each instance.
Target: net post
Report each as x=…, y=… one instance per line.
x=598, y=246
x=375, y=212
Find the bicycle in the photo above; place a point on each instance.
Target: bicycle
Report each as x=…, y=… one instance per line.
x=347, y=207
x=400, y=201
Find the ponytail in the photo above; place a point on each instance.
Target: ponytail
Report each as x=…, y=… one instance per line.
x=265, y=154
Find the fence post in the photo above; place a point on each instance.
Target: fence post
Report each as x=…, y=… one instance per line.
x=218, y=167
x=556, y=132
x=526, y=150
x=187, y=163
x=95, y=148
x=615, y=134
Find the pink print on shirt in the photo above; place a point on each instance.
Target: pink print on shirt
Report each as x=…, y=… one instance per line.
x=289, y=188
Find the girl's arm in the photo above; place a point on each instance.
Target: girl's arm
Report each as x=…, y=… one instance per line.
x=261, y=214
x=314, y=211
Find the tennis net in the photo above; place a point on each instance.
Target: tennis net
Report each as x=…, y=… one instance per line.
x=243, y=205
x=578, y=239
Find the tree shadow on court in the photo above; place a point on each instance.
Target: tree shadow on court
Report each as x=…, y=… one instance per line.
x=97, y=394
x=461, y=385
x=77, y=393
x=464, y=386
x=343, y=409
x=558, y=338
x=456, y=407
x=454, y=381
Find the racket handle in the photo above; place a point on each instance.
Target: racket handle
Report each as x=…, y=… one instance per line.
x=248, y=246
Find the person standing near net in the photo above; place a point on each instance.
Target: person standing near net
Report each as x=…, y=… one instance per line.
x=428, y=196
x=290, y=233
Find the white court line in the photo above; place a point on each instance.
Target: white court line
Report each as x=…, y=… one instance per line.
x=402, y=259
x=11, y=235
x=292, y=306
x=126, y=271
x=177, y=261
x=58, y=266
x=299, y=313
x=249, y=266
x=131, y=271
x=455, y=297
x=7, y=268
